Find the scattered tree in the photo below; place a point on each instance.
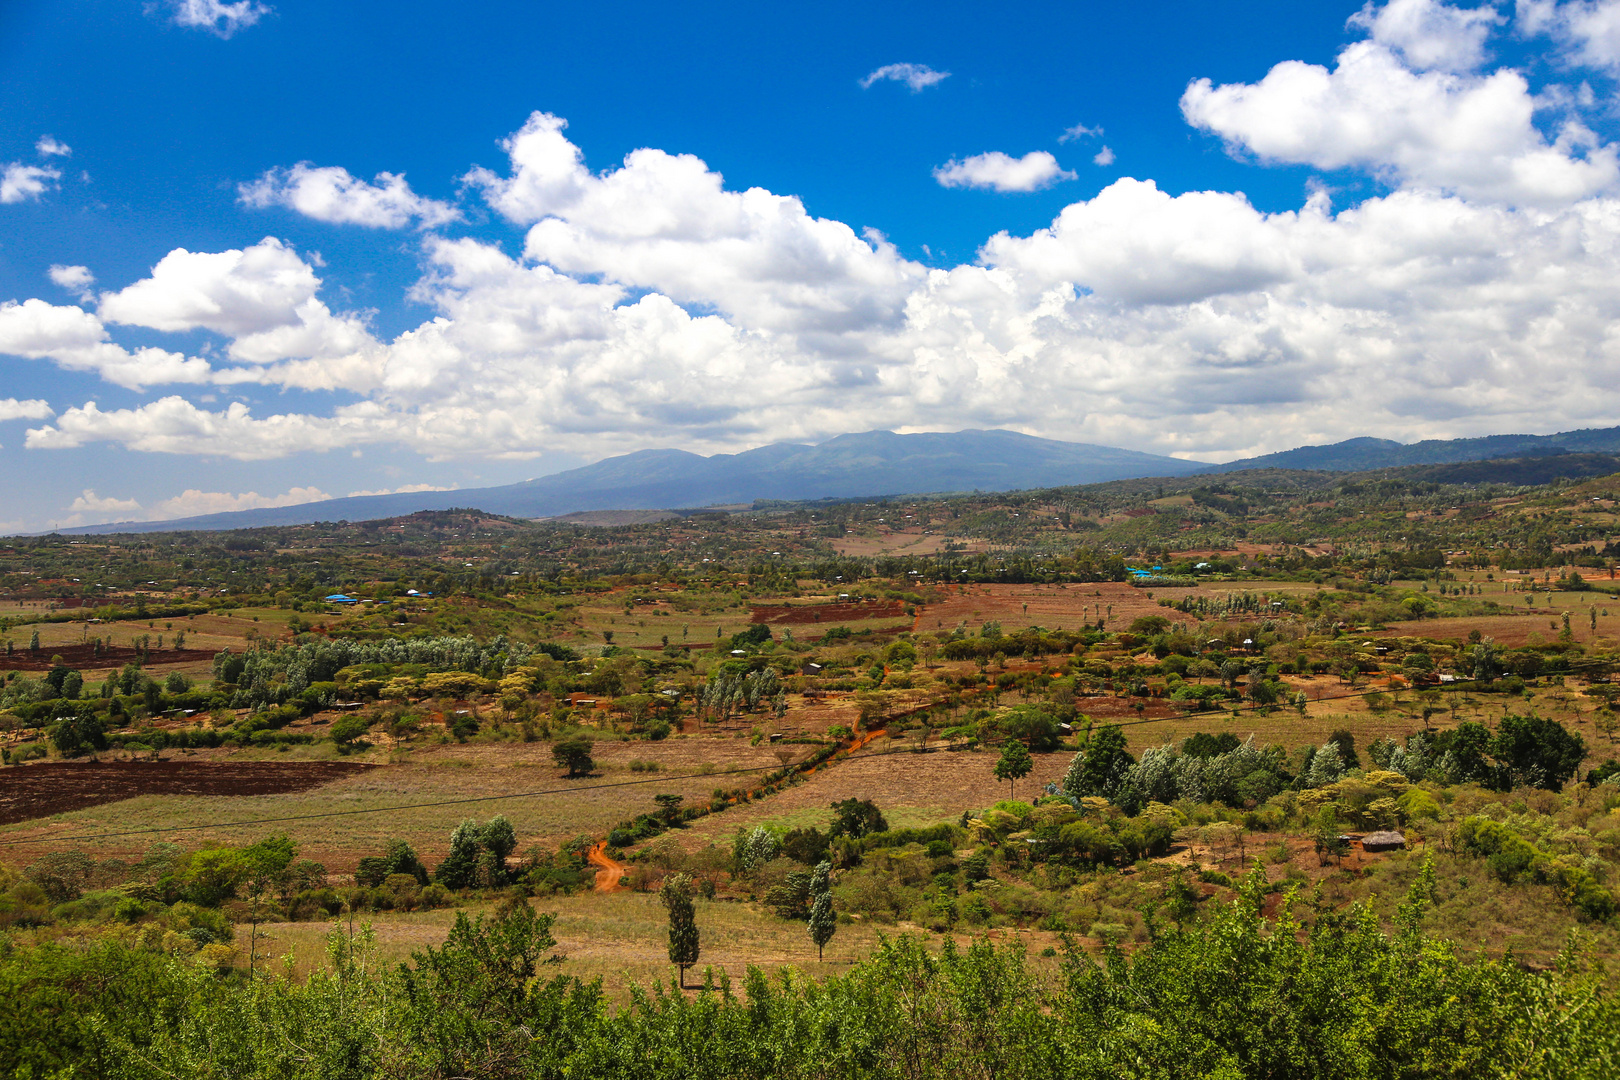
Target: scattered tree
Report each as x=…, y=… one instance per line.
x=575, y=755
x=1014, y=764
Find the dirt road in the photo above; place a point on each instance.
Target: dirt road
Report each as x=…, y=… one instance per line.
x=608, y=872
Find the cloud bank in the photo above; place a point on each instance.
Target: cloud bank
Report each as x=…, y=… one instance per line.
x=647, y=303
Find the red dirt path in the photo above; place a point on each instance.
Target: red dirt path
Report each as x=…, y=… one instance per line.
x=37, y=791
x=608, y=871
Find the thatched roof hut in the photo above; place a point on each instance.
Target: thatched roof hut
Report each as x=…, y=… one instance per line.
x=1383, y=841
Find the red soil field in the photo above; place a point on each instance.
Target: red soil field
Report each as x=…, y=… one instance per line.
x=832, y=613
x=37, y=791
x=85, y=657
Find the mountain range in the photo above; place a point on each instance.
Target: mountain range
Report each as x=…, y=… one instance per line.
x=868, y=464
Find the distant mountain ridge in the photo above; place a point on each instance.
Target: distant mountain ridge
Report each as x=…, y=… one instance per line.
x=1357, y=455
x=879, y=463
x=872, y=463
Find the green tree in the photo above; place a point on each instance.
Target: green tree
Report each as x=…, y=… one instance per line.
x=1100, y=765
x=574, y=755
x=478, y=855
x=856, y=818
x=823, y=924
x=475, y=1006
x=459, y=870
x=676, y=896
x=669, y=807
x=1014, y=764
x=1540, y=753
x=348, y=733
x=212, y=875
x=78, y=732
x=499, y=840
x=398, y=858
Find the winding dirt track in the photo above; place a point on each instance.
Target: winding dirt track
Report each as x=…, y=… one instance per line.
x=608, y=872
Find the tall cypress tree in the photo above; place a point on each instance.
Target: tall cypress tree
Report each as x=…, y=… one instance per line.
x=676, y=895
x=823, y=924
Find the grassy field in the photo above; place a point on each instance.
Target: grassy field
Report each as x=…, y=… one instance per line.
x=618, y=937
x=485, y=776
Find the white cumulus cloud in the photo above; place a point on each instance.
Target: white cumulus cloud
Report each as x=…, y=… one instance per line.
x=1587, y=30
x=918, y=77
x=76, y=340
x=218, y=17
x=50, y=147
x=665, y=221
x=31, y=409
x=1467, y=134
x=1429, y=34
x=331, y=194
x=89, y=508
x=996, y=171
x=1104, y=156
x=262, y=296
x=20, y=183
x=75, y=279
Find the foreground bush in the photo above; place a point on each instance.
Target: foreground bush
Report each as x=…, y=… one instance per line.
x=1241, y=996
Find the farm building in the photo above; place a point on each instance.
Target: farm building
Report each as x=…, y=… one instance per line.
x=1383, y=841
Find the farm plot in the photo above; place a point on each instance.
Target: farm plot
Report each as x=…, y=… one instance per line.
x=38, y=791
x=1051, y=606
x=86, y=657
x=461, y=781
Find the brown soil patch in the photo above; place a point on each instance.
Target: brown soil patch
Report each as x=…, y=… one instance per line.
x=83, y=657
x=902, y=542
x=37, y=791
x=1051, y=606
x=831, y=613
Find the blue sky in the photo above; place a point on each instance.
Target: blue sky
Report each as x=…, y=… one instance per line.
x=1200, y=229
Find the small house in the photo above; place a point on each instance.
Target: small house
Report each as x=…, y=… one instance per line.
x=1383, y=841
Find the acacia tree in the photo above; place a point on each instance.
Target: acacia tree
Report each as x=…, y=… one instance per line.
x=676, y=896
x=575, y=755
x=1014, y=764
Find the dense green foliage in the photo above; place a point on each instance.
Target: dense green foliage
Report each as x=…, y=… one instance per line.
x=1241, y=996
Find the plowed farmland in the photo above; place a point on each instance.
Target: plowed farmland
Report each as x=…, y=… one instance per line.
x=37, y=791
